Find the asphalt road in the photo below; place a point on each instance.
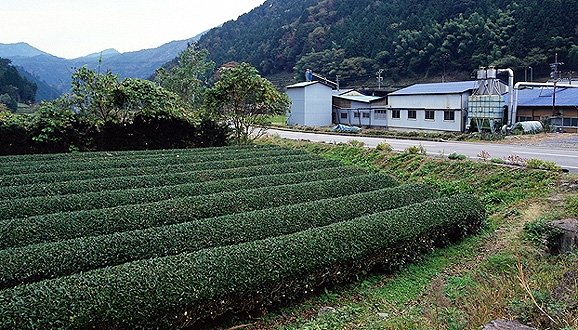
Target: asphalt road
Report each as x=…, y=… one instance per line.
x=565, y=157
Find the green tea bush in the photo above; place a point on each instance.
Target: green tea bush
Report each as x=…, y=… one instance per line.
x=59, y=226
x=24, y=179
x=42, y=261
x=292, y=165
x=175, y=290
x=31, y=206
x=14, y=160
x=148, y=160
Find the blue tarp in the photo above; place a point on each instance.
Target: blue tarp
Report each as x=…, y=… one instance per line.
x=345, y=128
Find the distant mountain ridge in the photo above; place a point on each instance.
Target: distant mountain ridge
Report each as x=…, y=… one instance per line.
x=53, y=74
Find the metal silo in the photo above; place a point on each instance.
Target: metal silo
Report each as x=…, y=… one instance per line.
x=486, y=105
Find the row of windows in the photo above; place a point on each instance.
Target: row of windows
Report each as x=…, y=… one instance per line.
x=428, y=114
x=566, y=122
x=449, y=115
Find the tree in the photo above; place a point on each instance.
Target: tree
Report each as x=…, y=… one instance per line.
x=102, y=97
x=246, y=100
x=188, y=77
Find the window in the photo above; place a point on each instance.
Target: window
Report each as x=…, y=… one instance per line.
x=429, y=115
x=366, y=115
x=356, y=115
x=525, y=118
x=380, y=114
x=343, y=115
x=570, y=122
x=411, y=114
x=395, y=114
x=449, y=115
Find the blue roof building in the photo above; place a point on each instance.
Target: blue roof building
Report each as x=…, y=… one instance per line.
x=541, y=103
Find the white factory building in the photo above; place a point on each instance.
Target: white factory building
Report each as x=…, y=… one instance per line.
x=429, y=107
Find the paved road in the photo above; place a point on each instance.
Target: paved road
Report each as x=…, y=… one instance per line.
x=565, y=157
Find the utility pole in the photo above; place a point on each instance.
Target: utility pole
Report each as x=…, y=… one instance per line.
x=555, y=76
x=379, y=78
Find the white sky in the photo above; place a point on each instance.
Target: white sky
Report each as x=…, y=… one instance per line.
x=74, y=28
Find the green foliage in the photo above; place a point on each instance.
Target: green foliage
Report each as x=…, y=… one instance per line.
x=384, y=146
x=103, y=98
x=456, y=156
x=543, y=164
x=14, y=88
x=539, y=232
x=237, y=277
x=415, y=150
x=301, y=162
x=35, y=206
x=334, y=38
x=244, y=99
x=82, y=254
x=68, y=225
x=151, y=167
x=188, y=77
x=103, y=113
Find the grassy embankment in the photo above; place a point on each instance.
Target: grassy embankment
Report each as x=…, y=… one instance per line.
x=502, y=273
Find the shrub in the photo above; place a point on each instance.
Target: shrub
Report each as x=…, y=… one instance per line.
x=456, y=156
x=414, y=150
x=543, y=164
x=165, y=292
x=384, y=146
x=54, y=227
x=292, y=165
x=50, y=177
x=32, y=206
x=41, y=261
x=184, y=157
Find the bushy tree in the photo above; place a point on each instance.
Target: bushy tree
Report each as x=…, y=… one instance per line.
x=246, y=100
x=103, y=98
x=188, y=77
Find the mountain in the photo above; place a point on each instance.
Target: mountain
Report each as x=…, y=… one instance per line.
x=20, y=49
x=53, y=73
x=409, y=40
x=14, y=88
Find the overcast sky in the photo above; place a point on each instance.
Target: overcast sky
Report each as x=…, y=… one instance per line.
x=74, y=28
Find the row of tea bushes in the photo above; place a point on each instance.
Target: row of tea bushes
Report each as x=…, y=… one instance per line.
x=33, y=206
x=162, y=160
x=59, y=226
x=157, y=292
x=162, y=179
x=52, y=177
x=31, y=159
x=50, y=260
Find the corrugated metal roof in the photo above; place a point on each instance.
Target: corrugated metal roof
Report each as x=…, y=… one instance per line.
x=542, y=96
x=359, y=98
x=341, y=91
x=457, y=87
x=303, y=84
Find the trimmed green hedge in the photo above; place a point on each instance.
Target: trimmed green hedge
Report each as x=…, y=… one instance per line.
x=147, y=161
x=55, y=227
x=49, y=260
x=31, y=159
x=160, y=179
x=34, y=206
x=24, y=179
x=158, y=292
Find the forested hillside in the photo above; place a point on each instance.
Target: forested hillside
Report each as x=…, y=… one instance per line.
x=13, y=87
x=420, y=39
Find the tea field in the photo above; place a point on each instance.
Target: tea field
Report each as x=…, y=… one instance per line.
x=163, y=239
